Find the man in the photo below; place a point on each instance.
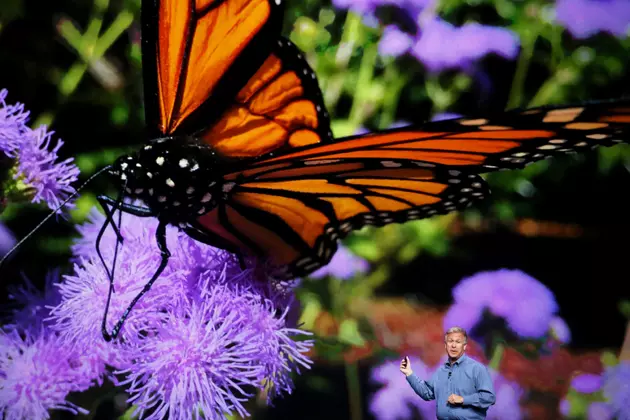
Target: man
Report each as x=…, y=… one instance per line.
x=462, y=387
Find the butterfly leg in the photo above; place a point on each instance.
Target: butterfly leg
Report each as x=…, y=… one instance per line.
x=109, y=219
x=166, y=254
x=161, y=240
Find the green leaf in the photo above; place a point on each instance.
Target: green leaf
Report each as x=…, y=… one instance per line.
x=349, y=332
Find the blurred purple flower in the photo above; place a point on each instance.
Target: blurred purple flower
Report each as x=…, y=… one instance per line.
x=39, y=370
x=527, y=305
x=560, y=330
x=587, y=383
x=394, y=42
x=396, y=399
x=617, y=389
x=7, y=240
x=32, y=307
x=600, y=411
x=445, y=116
x=12, y=124
x=508, y=396
x=584, y=18
x=564, y=407
x=205, y=330
x=37, y=175
x=343, y=265
x=443, y=46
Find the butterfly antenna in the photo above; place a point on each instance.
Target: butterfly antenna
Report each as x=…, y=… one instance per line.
x=51, y=214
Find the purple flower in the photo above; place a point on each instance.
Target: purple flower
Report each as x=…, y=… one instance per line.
x=207, y=356
x=560, y=330
x=508, y=396
x=49, y=180
x=584, y=18
x=564, y=407
x=38, y=371
x=587, y=383
x=445, y=116
x=527, y=305
x=443, y=46
x=394, y=42
x=204, y=335
x=617, y=389
x=36, y=174
x=7, y=240
x=599, y=411
x=343, y=265
x=396, y=399
x=32, y=306
x=12, y=120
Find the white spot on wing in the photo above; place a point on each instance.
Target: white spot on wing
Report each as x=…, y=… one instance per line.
x=183, y=163
x=170, y=182
x=159, y=161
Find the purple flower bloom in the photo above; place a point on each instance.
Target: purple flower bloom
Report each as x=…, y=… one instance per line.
x=445, y=116
x=599, y=411
x=617, y=389
x=508, y=395
x=38, y=168
x=204, y=334
x=36, y=173
x=7, y=240
x=587, y=383
x=560, y=330
x=394, y=42
x=564, y=407
x=443, y=46
x=527, y=305
x=33, y=306
x=584, y=18
x=12, y=120
x=38, y=371
x=343, y=265
x=396, y=399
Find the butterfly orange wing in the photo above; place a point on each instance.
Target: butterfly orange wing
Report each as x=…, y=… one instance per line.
x=280, y=107
x=293, y=207
x=197, y=55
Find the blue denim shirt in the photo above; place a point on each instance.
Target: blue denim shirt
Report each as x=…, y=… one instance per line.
x=466, y=378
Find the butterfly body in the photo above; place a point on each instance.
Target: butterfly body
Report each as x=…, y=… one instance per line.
x=177, y=178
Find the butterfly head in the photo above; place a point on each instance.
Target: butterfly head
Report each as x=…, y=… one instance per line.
x=176, y=179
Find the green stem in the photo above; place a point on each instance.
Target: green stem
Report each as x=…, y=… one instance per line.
x=354, y=390
x=395, y=84
x=522, y=67
x=497, y=355
x=366, y=72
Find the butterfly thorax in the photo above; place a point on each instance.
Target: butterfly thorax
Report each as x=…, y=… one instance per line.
x=178, y=178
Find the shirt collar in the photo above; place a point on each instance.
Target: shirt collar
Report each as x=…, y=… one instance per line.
x=458, y=361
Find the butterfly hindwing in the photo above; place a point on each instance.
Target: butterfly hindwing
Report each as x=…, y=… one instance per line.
x=294, y=206
x=295, y=212
x=279, y=108
x=193, y=50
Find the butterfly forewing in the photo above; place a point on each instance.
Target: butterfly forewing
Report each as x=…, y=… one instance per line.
x=197, y=54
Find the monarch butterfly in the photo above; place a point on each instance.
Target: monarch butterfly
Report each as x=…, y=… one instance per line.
x=240, y=153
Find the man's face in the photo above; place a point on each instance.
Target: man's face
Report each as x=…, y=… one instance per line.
x=455, y=345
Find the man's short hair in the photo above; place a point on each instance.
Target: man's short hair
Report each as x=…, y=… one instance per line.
x=453, y=330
